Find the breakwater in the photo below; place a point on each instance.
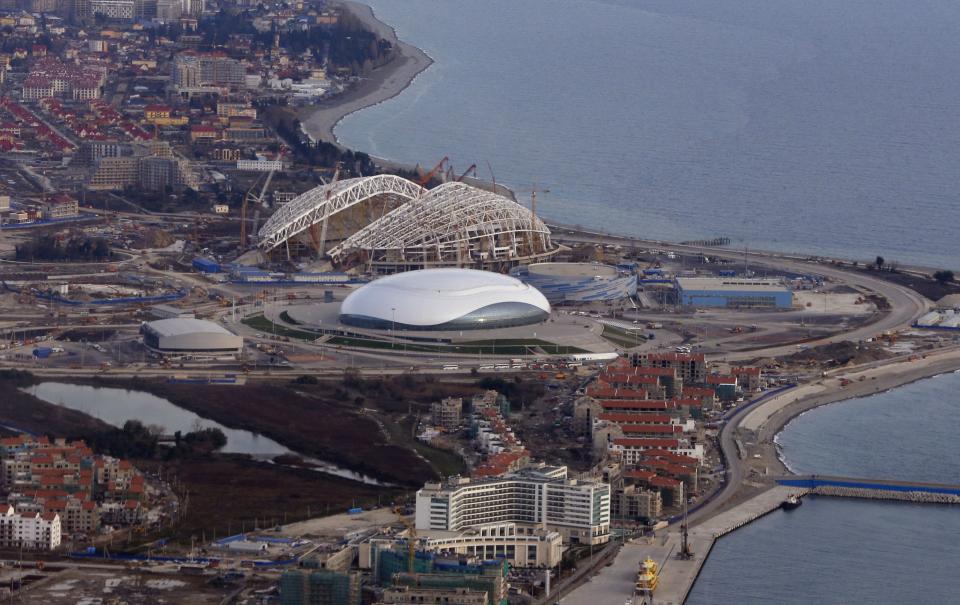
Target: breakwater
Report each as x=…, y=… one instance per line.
x=875, y=489
x=877, y=494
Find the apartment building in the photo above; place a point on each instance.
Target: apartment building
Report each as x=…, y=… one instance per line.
x=446, y=413
x=192, y=69
x=29, y=531
x=538, y=495
x=690, y=367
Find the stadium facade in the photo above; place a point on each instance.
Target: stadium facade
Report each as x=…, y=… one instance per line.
x=577, y=282
x=444, y=300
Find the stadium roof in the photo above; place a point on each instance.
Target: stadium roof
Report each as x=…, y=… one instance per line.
x=322, y=202
x=446, y=220
x=179, y=326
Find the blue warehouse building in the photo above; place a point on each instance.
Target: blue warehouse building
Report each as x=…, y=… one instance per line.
x=733, y=292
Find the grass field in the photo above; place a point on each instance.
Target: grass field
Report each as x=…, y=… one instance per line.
x=259, y=322
x=623, y=338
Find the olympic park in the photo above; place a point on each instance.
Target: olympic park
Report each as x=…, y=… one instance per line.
x=453, y=269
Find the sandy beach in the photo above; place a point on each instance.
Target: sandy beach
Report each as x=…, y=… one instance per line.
x=381, y=84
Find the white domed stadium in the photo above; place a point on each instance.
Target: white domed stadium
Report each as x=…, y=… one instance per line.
x=444, y=299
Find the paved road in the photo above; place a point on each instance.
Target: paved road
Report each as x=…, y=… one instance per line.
x=906, y=304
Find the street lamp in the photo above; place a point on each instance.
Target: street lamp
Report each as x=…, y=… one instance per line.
x=393, y=327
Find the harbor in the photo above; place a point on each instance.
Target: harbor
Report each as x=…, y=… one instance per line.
x=677, y=574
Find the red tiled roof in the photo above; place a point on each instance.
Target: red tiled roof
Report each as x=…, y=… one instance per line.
x=660, y=481
x=649, y=443
x=635, y=418
x=635, y=404
x=650, y=429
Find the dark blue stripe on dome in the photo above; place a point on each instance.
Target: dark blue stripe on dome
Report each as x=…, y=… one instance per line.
x=497, y=315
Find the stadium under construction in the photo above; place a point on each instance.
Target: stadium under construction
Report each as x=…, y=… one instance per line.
x=385, y=224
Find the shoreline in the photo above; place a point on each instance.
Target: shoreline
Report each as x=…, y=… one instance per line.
x=766, y=421
x=382, y=84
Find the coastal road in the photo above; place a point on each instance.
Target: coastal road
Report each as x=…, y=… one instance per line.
x=906, y=305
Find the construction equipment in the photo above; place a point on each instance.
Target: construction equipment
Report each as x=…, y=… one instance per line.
x=411, y=540
x=258, y=204
x=424, y=180
x=472, y=168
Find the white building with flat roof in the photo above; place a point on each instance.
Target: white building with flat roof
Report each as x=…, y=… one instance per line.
x=522, y=546
x=534, y=496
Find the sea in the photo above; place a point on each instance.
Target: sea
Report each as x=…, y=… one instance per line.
x=838, y=550
x=827, y=127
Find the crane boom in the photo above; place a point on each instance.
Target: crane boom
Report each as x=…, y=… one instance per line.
x=258, y=204
x=426, y=179
x=472, y=168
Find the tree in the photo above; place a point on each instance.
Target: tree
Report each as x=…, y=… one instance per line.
x=880, y=262
x=943, y=277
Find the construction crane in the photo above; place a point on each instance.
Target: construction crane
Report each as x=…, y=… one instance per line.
x=411, y=540
x=321, y=241
x=258, y=204
x=472, y=168
x=424, y=180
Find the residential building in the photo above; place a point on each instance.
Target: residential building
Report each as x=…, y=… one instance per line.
x=446, y=413
x=193, y=69
x=534, y=496
x=319, y=587
x=405, y=595
x=29, y=531
x=630, y=502
x=61, y=206
x=66, y=478
x=690, y=367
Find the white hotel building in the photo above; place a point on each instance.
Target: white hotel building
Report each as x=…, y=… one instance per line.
x=537, y=496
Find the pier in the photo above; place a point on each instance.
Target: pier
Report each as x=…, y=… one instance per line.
x=614, y=584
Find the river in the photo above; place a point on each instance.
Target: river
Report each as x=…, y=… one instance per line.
x=825, y=126
x=834, y=550
x=117, y=406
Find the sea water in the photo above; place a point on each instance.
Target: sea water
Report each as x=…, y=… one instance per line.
x=823, y=126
